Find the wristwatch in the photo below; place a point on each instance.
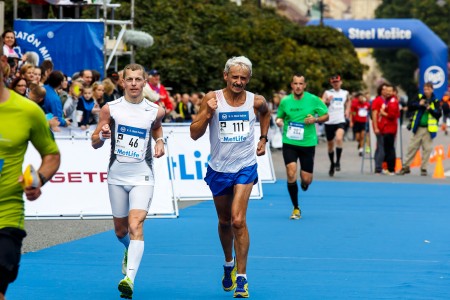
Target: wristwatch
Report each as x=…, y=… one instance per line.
x=264, y=137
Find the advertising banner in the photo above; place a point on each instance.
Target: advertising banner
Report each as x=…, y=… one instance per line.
x=70, y=45
x=79, y=188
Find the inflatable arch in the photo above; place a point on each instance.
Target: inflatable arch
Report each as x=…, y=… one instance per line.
x=401, y=33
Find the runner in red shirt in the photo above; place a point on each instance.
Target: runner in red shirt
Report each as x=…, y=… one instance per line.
x=358, y=119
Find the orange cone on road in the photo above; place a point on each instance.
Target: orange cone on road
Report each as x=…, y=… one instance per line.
x=448, y=152
x=439, y=169
x=398, y=164
x=417, y=161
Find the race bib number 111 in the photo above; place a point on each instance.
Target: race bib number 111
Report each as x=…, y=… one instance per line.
x=234, y=127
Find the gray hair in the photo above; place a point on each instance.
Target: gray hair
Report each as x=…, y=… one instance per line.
x=241, y=61
x=32, y=58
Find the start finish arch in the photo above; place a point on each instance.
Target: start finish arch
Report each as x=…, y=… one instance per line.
x=401, y=33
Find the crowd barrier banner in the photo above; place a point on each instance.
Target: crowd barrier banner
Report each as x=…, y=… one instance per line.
x=188, y=160
x=79, y=188
x=72, y=45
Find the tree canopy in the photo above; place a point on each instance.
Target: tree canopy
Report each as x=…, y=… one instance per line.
x=193, y=40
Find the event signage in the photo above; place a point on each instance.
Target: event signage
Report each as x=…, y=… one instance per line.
x=70, y=45
x=401, y=33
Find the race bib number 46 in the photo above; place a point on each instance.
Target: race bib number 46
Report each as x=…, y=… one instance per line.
x=130, y=141
x=234, y=127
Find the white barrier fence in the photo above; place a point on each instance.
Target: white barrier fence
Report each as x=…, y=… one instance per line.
x=79, y=188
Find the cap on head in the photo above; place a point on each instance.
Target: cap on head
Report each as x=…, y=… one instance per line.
x=153, y=72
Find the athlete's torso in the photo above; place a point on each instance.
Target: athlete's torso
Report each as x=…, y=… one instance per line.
x=131, y=153
x=336, y=109
x=231, y=134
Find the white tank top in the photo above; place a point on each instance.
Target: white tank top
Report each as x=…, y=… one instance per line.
x=231, y=134
x=336, y=109
x=131, y=154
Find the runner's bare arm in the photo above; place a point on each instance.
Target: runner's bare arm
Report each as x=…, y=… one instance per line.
x=102, y=127
x=264, y=120
x=207, y=109
x=157, y=133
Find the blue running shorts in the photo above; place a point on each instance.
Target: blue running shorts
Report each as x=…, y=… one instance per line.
x=223, y=183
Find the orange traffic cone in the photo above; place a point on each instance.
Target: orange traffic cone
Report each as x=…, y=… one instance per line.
x=438, y=151
x=417, y=161
x=439, y=169
x=448, y=153
x=433, y=156
x=398, y=164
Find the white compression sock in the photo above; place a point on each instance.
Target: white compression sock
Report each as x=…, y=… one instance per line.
x=125, y=240
x=135, y=252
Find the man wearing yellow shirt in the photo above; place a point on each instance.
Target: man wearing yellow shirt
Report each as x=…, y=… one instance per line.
x=22, y=121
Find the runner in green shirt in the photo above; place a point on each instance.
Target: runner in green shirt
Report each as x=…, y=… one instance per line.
x=22, y=121
x=298, y=113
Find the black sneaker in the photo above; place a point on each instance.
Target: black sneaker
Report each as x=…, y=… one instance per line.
x=338, y=167
x=304, y=186
x=331, y=172
x=423, y=172
x=404, y=171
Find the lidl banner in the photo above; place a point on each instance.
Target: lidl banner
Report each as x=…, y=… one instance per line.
x=70, y=45
x=401, y=33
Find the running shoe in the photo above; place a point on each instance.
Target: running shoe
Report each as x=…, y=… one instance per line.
x=126, y=287
x=296, y=214
x=331, y=172
x=403, y=171
x=241, y=288
x=304, y=186
x=423, y=172
x=124, y=262
x=360, y=151
x=337, y=167
x=229, y=277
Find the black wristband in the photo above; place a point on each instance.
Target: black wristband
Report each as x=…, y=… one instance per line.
x=43, y=179
x=264, y=137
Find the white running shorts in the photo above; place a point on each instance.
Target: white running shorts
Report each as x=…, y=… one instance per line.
x=124, y=198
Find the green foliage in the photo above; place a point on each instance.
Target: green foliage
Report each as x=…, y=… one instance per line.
x=193, y=40
x=399, y=65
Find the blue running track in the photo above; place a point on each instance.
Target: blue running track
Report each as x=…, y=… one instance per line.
x=354, y=241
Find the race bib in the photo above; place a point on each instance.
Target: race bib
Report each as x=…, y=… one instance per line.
x=130, y=141
x=362, y=112
x=295, y=131
x=338, y=102
x=234, y=127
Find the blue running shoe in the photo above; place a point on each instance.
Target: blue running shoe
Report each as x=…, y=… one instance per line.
x=241, y=288
x=229, y=278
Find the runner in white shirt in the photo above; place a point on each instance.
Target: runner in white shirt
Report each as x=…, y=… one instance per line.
x=338, y=104
x=131, y=122
x=232, y=170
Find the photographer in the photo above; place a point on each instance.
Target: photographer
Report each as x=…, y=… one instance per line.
x=424, y=127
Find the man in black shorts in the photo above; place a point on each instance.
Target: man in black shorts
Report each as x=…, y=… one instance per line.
x=337, y=101
x=297, y=114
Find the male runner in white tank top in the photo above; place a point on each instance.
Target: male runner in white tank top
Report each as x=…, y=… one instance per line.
x=232, y=170
x=338, y=102
x=131, y=122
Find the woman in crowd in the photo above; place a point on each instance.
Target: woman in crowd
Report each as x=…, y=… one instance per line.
x=19, y=85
